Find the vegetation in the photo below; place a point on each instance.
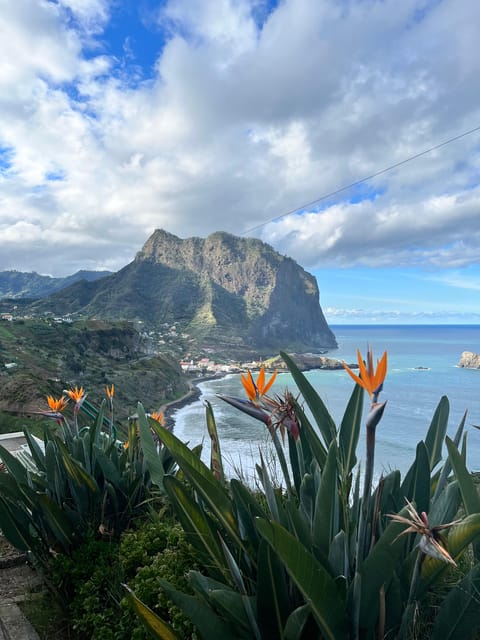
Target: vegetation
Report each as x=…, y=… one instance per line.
x=79, y=481
x=323, y=553
x=46, y=357
x=328, y=555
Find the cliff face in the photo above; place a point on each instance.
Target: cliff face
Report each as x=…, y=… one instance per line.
x=225, y=292
x=276, y=301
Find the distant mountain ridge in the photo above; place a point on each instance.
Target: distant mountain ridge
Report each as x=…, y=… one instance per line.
x=18, y=284
x=221, y=290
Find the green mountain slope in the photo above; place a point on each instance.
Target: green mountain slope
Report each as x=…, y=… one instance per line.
x=219, y=289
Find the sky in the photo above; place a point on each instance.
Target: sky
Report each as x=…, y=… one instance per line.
x=121, y=117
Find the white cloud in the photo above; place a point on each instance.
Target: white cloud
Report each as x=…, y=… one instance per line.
x=241, y=122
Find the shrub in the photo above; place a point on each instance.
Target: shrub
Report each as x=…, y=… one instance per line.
x=89, y=580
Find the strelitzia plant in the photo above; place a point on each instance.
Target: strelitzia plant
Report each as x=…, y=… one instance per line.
x=312, y=558
x=80, y=480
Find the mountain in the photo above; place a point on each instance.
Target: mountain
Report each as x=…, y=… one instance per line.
x=224, y=291
x=17, y=284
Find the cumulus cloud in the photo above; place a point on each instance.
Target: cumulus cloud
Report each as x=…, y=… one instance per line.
x=249, y=112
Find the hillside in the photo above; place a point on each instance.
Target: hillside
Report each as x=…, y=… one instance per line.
x=223, y=291
x=18, y=284
x=40, y=357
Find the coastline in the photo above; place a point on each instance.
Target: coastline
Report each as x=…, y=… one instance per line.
x=192, y=395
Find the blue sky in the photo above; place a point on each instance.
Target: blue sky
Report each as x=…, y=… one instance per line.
x=118, y=117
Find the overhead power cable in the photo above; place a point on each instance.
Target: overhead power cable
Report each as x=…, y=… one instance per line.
x=365, y=179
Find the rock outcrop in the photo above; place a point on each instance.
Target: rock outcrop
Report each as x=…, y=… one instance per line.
x=226, y=293
x=469, y=360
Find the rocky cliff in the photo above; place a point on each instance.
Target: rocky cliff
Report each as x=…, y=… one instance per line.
x=275, y=300
x=227, y=293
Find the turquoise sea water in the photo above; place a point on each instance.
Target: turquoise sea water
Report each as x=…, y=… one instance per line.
x=412, y=394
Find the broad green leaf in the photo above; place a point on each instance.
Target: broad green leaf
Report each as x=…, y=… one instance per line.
x=13, y=465
x=36, y=452
x=203, y=481
x=312, y=446
x=247, y=509
x=208, y=623
x=155, y=626
x=298, y=524
x=269, y=491
x=377, y=570
x=108, y=468
x=459, y=538
x=56, y=519
x=19, y=536
x=317, y=586
x=459, y=616
x=470, y=496
x=445, y=507
x=350, y=429
x=338, y=555
x=296, y=623
x=273, y=602
x=75, y=470
x=437, y=431
x=149, y=448
x=416, y=486
x=238, y=581
x=195, y=522
x=216, y=465
x=447, y=467
x=326, y=505
x=315, y=404
x=295, y=454
x=235, y=607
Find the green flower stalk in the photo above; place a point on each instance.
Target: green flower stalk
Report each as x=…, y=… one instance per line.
x=372, y=381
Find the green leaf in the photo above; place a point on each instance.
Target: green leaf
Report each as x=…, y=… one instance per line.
x=315, y=404
x=416, y=485
x=378, y=569
x=437, y=431
x=350, y=429
x=59, y=523
x=296, y=623
x=239, y=583
x=459, y=616
x=35, y=450
x=326, y=505
x=195, y=522
x=459, y=538
x=208, y=623
x=12, y=528
x=317, y=586
x=149, y=448
x=443, y=479
x=203, y=481
x=311, y=445
x=273, y=603
x=216, y=464
x=247, y=509
x=470, y=496
x=155, y=626
x=108, y=468
x=234, y=606
x=13, y=465
x=75, y=470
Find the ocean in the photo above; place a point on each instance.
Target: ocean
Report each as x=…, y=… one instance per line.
x=422, y=366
